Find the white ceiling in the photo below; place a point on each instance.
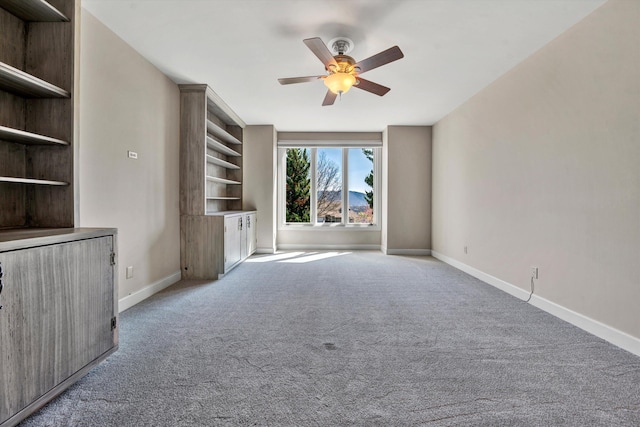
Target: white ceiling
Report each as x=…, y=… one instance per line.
x=452, y=48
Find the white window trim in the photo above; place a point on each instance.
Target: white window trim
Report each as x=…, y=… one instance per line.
x=344, y=225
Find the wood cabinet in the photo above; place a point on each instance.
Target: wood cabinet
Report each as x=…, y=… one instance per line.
x=212, y=245
x=59, y=313
x=58, y=292
x=211, y=186
x=37, y=108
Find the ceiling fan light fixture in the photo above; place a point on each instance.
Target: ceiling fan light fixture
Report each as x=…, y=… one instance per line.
x=339, y=83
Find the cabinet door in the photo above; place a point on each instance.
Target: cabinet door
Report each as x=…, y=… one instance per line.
x=243, y=238
x=252, y=235
x=56, y=317
x=232, y=247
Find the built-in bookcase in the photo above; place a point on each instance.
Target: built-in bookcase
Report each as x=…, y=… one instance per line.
x=215, y=234
x=211, y=153
x=37, y=50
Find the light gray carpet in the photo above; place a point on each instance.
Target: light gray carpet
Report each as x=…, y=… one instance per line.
x=358, y=339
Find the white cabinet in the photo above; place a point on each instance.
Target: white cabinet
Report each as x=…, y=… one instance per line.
x=212, y=245
x=233, y=241
x=252, y=235
x=239, y=238
x=59, y=313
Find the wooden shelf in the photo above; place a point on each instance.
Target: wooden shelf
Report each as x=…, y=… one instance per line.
x=221, y=133
x=23, y=137
x=223, y=198
x=219, y=162
x=24, y=84
x=33, y=10
x=222, y=180
x=221, y=148
x=31, y=181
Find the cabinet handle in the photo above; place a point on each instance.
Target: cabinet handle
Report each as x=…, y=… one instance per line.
x=240, y=223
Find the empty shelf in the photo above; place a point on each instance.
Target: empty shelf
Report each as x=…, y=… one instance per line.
x=221, y=148
x=24, y=84
x=34, y=10
x=223, y=198
x=23, y=137
x=220, y=162
x=221, y=133
x=222, y=180
x=31, y=181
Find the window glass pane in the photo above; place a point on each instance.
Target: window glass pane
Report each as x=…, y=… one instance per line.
x=361, y=186
x=298, y=185
x=329, y=179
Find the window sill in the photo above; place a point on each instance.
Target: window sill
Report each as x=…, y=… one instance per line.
x=330, y=227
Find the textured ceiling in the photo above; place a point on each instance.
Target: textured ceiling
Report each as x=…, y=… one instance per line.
x=452, y=48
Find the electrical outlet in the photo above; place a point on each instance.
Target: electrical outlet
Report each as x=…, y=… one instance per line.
x=132, y=154
x=534, y=272
x=130, y=272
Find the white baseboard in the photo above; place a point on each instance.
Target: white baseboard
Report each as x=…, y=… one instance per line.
x=303, y=247
x=607, y=333
x=415, y=252
x=144, y=293
x=265, y=251
x=493, y=281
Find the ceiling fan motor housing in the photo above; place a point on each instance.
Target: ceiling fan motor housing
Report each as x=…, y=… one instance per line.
x=341, y=45
x=345, y=64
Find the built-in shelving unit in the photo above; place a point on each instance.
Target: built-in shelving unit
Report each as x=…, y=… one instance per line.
x=47, y=262
x=37, y=44
x=215, y=233
x=211, y=153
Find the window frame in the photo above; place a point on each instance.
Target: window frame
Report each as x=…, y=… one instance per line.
x=313, y=224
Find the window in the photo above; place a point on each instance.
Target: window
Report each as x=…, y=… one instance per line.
x=328, y=186
x=298, y=185
x=361, y=185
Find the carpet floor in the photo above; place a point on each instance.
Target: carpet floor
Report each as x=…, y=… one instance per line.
x=349, y=339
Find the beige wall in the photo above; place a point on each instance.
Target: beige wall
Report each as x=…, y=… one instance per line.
x=127, y=104
x=329, y=239
x=542, y=168
x=407, y=189
x=259, y=190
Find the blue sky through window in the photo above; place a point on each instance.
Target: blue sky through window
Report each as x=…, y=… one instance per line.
x=359, y=166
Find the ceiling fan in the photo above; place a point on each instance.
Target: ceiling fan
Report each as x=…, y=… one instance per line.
x=342, y=70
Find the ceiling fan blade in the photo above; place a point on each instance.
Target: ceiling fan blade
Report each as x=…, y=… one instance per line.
x=372, y=87
x=321, y=50
x=392, y=54
x=292, y=80
x=329, y=98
